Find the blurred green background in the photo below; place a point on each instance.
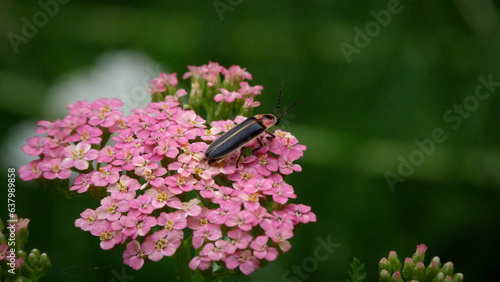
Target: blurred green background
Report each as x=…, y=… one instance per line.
x=360, y=115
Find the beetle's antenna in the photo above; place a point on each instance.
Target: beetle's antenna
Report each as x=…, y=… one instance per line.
x=289, y=108
x=279, y=97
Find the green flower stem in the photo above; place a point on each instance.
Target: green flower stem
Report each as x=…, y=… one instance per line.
x=182, y=259
x=105, y=136
x=157, y=97
x=97, y=193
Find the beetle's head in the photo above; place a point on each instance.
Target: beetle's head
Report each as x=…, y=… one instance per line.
x=268, y=120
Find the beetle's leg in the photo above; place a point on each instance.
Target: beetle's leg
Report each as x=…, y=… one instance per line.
x=216, y=161
x=271, y=137
x=240, y=158
x=261, y=146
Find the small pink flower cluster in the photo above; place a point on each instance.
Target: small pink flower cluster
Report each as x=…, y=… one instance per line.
x=160, y=185
x=8, y=256
x=69, y=141
x=233, y=76
x=211, y=73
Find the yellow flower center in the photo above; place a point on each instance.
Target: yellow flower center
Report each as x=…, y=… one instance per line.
x=91, y=219
x=198, y=170
x=104, y=173
x=162, y=197
x=253, y=198
x=169, y=225
x=186, y=207
x=106, y=235
x=85, y=136
x=288, y=145
x=162, y=243
x=181, y=181
x=122, y=125
x=122, y=187
x=112, y=208
x=263, y=160
x=245, y=176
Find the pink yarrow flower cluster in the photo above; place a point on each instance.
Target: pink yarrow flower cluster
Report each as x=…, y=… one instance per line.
x=160, y=187
x=71, y=142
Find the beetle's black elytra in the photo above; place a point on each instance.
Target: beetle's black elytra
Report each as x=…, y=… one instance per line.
x=243, y=133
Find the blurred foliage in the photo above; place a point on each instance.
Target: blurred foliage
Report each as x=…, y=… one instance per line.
x=356, y=271
x=357, y=119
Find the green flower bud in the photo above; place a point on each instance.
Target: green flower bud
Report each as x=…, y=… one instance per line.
x=432, y=270
x=245, y=110
x=384, y=276
x=396, y=277
x=170, y=90
x=437, y=260
x=408, y=268
x=231, y=85
x=384, y=264
x=439, y=277
x=419, y=272
x=276, y=206
x=224, y=110
x=22, y=254
x=21, y=238
x=45, y=261
x=448, y=279
x=195, y=96
x=458, y=277
x=34, y=257
x=419, y=254
x=447, y=268
x=209, y=92
x=157, y=97
x=395, y=262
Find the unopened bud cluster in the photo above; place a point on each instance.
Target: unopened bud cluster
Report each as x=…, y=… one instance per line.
x=413, y=269
x=15, y=263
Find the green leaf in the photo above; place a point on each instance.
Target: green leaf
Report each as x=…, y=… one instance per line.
x=357, y=271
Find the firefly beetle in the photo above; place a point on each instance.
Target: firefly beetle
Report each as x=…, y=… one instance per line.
x=243, y=133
